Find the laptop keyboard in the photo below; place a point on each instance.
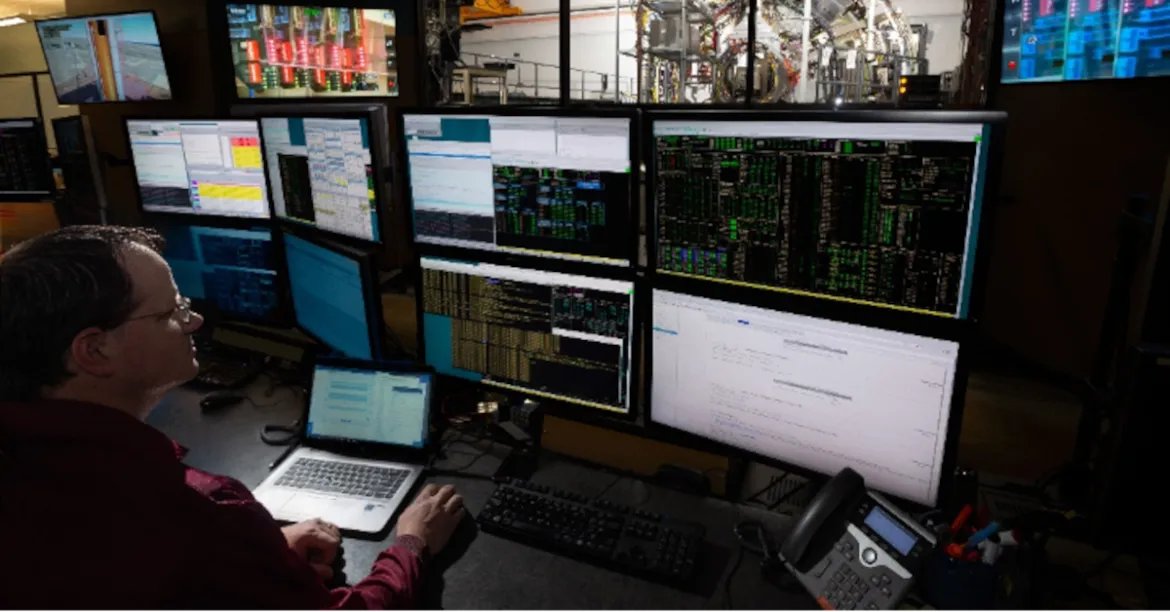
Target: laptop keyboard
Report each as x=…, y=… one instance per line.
x=343, y=478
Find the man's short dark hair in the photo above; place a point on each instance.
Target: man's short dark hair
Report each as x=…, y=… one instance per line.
x=53, y=287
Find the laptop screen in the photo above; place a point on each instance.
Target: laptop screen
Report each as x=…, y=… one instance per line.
x=369, y=406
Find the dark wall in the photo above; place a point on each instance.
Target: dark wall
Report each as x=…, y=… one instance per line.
x=1074, y=153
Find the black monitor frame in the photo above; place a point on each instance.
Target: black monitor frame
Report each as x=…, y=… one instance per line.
x=138, y=186
x=70, y=201
x=38, y=128
x=376, y=123
x=631, y=113
x=887, y=316
x=162, y=50
x=963, y=335
x=283, y=315
x=548, y=403
x=367, y=268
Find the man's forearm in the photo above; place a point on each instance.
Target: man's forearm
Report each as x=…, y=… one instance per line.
x=395, y=582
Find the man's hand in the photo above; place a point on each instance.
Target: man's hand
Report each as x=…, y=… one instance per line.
x=433, y=516
x=315, y=541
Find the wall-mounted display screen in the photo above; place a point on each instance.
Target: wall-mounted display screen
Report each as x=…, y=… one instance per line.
x=1072, y=40
x=312, y=51
x=105, y=58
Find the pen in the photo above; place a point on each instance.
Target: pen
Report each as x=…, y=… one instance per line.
x=982, y=534
x=288, y=451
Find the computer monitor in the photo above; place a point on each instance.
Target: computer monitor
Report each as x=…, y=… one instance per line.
x=806, y=392
x=359, y=402
x=874, y=208
x=105, y=58
x=542, y=182
x=84, y=197
x=230, y=273
x=1071, y=41
x=25, y=172
x=323, y=173
x=210, y=167
x=563, y=337
x=335, y=295
x=280, y=51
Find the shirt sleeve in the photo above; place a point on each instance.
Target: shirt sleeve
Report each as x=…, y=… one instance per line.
x=393, y=583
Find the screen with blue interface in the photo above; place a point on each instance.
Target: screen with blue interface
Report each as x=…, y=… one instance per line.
x=554, y=335
x=881, y=214
x=546, y=186
x=328, y=297
x=1071, y=40
x=322, y=173
x=230, y=269
x=369, y=406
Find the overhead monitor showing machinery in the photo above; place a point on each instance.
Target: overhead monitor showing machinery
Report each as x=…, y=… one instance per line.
x=558, y=336
x=534, y=183
x=209, y=167
x=322, y=173
x=232, y=272
x=105, y=58
x=883, y=214
x=812, y=393
x=335, y=295
x=25, y=173
x=281, y=51
x=1073, y=40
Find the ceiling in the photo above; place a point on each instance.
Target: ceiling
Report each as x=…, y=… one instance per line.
x=35, y=8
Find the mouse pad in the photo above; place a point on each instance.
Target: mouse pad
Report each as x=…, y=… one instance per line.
x=434, y=581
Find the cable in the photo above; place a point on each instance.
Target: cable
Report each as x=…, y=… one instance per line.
x=609, y=486
x=731, y=577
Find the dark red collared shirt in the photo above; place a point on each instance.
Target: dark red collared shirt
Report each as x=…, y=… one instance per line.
x=97, y=511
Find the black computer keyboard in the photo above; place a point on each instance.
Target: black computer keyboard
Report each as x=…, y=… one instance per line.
x=343, y=478
x=603, y=533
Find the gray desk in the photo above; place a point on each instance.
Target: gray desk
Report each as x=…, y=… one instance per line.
x=494, y=572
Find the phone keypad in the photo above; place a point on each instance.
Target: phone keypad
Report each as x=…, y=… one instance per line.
x=846, y=589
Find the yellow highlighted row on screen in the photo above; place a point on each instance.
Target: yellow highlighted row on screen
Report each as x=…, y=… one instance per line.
x=552, y=396
x=246, y=157
x=231, y=192
x=836, y=298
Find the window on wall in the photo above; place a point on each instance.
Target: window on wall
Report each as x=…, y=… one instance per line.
x=510, y=46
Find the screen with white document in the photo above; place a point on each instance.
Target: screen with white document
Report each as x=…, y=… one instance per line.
x=369, y=405
x=817, y=394
x=556, y=187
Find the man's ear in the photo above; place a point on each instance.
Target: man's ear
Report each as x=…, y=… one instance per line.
x=92, y=352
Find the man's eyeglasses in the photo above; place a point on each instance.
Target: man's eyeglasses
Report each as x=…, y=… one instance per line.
x=180, y=313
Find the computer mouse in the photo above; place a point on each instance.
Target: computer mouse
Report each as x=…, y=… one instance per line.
x=220, y=400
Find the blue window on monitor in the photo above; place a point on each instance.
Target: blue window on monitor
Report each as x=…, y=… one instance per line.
x=328, y=297
x=369, y=406
x=230, y=269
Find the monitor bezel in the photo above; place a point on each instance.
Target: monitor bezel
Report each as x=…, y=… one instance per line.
x=379, y=164
x=960, y=334
x=995, y=120
x=220, y=47
x=367, y=268
x=636, y=174
x=138, y=186
x=283, y=316
x=161, y=46
x=366, y=447
x=557, y=406
x=38, y=127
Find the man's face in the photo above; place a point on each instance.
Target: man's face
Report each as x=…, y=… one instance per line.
x=154, y=349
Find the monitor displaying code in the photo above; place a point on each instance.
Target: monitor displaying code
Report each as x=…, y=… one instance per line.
x=24, y=161
x=231, y=270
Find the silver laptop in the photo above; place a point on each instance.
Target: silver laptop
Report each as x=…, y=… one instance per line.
x=363, y=447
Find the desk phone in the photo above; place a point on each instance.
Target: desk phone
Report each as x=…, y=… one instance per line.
x=854, y=550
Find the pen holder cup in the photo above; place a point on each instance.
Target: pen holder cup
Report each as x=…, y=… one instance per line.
x=951, y=584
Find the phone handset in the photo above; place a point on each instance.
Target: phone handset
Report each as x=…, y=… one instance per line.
x=843, y=489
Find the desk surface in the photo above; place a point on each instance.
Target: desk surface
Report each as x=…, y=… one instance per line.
x=495, y=572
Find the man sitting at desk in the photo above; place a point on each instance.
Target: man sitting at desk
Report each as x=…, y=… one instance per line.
x=99, y=511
